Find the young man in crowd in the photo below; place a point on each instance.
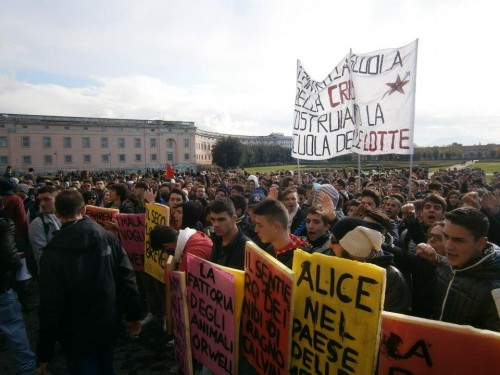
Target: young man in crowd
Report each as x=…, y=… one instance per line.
x=228, y=250
x=434, y=207
x=84, y=272
x=271, y=225
x=318, y=233
x=229, y=241
x=295, y=214
x=118, y=194
x=43, y=227
x=467, y=288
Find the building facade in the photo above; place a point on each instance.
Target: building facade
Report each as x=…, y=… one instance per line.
x=49, y=143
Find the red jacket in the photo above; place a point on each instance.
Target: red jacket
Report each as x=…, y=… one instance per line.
x=198, y=244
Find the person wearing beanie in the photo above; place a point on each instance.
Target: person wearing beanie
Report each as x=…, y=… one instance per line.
x=221, y=191
x=358, y=240
x=328, y=197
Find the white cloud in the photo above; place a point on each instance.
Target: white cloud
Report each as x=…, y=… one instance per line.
x=230, y=65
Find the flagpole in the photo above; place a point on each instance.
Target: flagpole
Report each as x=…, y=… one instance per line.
x=298, y=169
x=411, y=174
x=413, y=120
x=359, y=172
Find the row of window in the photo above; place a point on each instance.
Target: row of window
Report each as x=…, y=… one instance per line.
x=87, y=128
x=204, y=146
x=67, y=142
x=105, y=158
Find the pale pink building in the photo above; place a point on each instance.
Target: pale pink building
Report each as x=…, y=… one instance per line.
x=52, y=142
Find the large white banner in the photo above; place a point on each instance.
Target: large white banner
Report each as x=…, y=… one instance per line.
x=365, y=105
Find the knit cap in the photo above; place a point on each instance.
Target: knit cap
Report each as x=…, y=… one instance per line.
x=358, y=237
x=331, y=192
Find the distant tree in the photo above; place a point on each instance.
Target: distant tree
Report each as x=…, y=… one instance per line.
x=228, y=152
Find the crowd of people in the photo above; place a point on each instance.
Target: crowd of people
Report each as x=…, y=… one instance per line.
x=436, y=236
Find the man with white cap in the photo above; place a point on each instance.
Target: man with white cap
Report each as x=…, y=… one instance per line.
x=361, y=241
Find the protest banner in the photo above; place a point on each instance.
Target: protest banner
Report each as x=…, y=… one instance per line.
x=336, y=320
x=365, y=105
x=169, y=268
x=411, y=345
x=215, y=299
x=182, y=348
x=100, y=214
x=267, y=312
x=154, y=263
x=131, y=230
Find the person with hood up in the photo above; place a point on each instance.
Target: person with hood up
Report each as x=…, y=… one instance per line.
x=188, y=215
x=355, y=239
x=254, y=186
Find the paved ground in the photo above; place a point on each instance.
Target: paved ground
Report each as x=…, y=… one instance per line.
x=148, y=355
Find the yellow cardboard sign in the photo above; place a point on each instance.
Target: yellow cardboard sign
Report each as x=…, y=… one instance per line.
x=154, y=262
x=337, y=315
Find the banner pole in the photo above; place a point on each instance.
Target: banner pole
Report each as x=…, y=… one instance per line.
x=359, y=172
x=411, y=174
x=413, y=120
x=298, y=169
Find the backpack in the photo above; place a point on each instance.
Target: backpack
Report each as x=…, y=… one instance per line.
x=46, y=226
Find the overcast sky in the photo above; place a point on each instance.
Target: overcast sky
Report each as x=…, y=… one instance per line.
x=230, y=66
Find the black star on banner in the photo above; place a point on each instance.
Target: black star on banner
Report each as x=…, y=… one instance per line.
x=397, y=86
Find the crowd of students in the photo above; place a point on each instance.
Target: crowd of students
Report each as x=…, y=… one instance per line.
x=436, y=236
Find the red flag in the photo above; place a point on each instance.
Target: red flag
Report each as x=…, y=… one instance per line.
x=169, y=173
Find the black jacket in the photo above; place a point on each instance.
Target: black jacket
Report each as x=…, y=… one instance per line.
x=397, y=294
x=420, y=276
x=84, y=276
x=231, y=255
x=9, y=259
x=464, y=296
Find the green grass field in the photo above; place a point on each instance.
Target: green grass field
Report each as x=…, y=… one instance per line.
x=489, y=167
x=433, y=165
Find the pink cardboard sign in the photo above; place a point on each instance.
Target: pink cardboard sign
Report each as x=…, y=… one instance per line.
x=132, y=237
x=212, y=315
